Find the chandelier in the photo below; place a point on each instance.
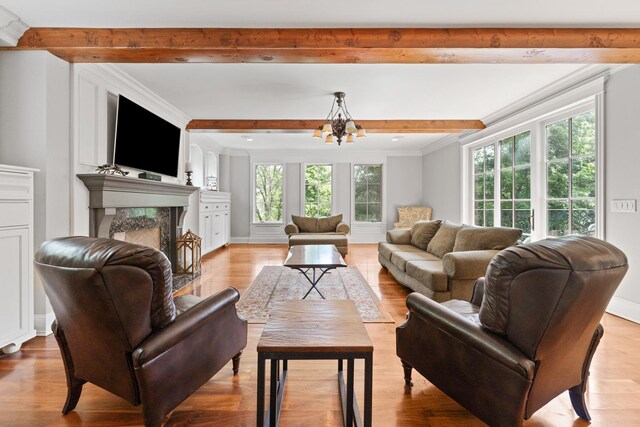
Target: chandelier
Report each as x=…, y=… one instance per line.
x=339, y=123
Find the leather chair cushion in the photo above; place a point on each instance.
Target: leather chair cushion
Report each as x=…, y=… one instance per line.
x=485, y=238
x=444, y=239
x=464, y=309
x=428, y=273
x=423, y=231
x=83, y=252
x=185, y=302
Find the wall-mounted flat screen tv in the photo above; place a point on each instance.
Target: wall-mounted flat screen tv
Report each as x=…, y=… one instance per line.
x=144, y=140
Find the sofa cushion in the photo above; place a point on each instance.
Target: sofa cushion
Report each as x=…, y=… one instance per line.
x=444, y=240
x=386, y=249
x=305, y=223
x=399, y=259
x=328, y=223
x=429, y=273
x=482, y=238
x=423, y=231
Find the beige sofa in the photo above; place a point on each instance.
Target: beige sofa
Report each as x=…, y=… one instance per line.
x=329, y=230
x=442, y=260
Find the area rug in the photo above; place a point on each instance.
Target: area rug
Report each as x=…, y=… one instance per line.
x=275, y=284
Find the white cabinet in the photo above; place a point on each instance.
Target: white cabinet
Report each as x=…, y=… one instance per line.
x=16, y=257
x=215, y=219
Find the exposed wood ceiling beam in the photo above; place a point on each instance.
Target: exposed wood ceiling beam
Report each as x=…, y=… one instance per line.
x=359, y=45
x=373, y=126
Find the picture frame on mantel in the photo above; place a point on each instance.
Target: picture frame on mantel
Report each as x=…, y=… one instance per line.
x=212, y=183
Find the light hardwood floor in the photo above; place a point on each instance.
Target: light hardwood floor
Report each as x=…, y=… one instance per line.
x=33, y=386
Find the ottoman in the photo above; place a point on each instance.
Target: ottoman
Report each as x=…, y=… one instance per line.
x=339, y=240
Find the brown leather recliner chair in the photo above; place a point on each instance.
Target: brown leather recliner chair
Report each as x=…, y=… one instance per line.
x=527, y=335
x=118, y=327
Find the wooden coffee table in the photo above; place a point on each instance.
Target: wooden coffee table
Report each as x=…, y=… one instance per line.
x=306, y=258
x=304, y=330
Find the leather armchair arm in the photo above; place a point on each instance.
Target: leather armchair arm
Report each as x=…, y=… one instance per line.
x=291, y=228
x=199, y=316
x=343, y=227
x=478, y=292
x=468, y=264
x=399, y=237
x=475, y=336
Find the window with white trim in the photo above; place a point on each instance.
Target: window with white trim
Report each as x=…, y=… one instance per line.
x=548, y=166
x=317, y=190
x=571, y=175
x=367, y=192
x=268, y=195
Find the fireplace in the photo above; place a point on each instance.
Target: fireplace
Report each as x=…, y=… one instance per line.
x=137, y=210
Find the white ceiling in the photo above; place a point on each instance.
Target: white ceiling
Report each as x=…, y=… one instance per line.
x=290, y=91
x=328, y=13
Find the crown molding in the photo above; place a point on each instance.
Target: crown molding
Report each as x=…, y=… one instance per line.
x=441, y=143
x=11, y=28
x=551, y=90
x=117, y=78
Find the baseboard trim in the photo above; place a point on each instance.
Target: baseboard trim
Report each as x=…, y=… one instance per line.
x=43, y=322
x=624, y=308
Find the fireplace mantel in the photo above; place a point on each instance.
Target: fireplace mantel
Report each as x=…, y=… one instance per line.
x=108, y=193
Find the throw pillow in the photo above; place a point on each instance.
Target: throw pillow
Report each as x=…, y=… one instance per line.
x=442, y=243
x=305, y=224
x=482, y=238
x=329, y=223
x=423, y=231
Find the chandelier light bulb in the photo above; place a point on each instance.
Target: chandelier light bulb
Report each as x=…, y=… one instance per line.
x=362, y=133
x=318, y=133
x=350, y=127
x=350, y=138
x=327, y=128
x=329, y=139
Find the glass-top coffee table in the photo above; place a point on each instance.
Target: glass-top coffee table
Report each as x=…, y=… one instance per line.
x=309, y=258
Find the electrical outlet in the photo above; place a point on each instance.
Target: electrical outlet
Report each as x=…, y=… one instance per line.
x=626, y=205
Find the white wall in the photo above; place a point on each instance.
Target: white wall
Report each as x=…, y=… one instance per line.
x=404, y=185
x=34, y=132
x=622, y=181
x=441, y=185
x=240, y=189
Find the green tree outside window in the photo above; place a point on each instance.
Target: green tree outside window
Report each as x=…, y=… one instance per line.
x=317, y=190
x=367, y=187
x=268, y=196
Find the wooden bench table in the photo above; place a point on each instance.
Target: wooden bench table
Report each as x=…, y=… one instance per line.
x=314, y=330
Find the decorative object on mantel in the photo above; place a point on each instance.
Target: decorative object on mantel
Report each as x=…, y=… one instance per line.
x=108, y=169
x=212, y=183
x=188, y=168
x=188, y=253
x=338, y=126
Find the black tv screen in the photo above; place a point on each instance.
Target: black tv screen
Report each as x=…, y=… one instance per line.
x=144, y=140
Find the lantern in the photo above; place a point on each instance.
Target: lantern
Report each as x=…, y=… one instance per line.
x=188, y=252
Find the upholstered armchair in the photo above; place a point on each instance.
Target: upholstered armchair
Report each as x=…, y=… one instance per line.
x=527, y=335
x=118, y=326
x=409, y=215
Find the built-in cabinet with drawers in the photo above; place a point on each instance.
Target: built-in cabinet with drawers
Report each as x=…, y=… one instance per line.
x=16, y=257
x=215, y=219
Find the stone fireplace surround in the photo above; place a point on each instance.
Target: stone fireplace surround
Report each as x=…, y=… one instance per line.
x=116, y=204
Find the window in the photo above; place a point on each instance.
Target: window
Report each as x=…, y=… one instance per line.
x=515, y=182
x=571, y=176
x=317, y=190
x=367, y=188
x=483, y=185
x=268, y=193
x=549, y=166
